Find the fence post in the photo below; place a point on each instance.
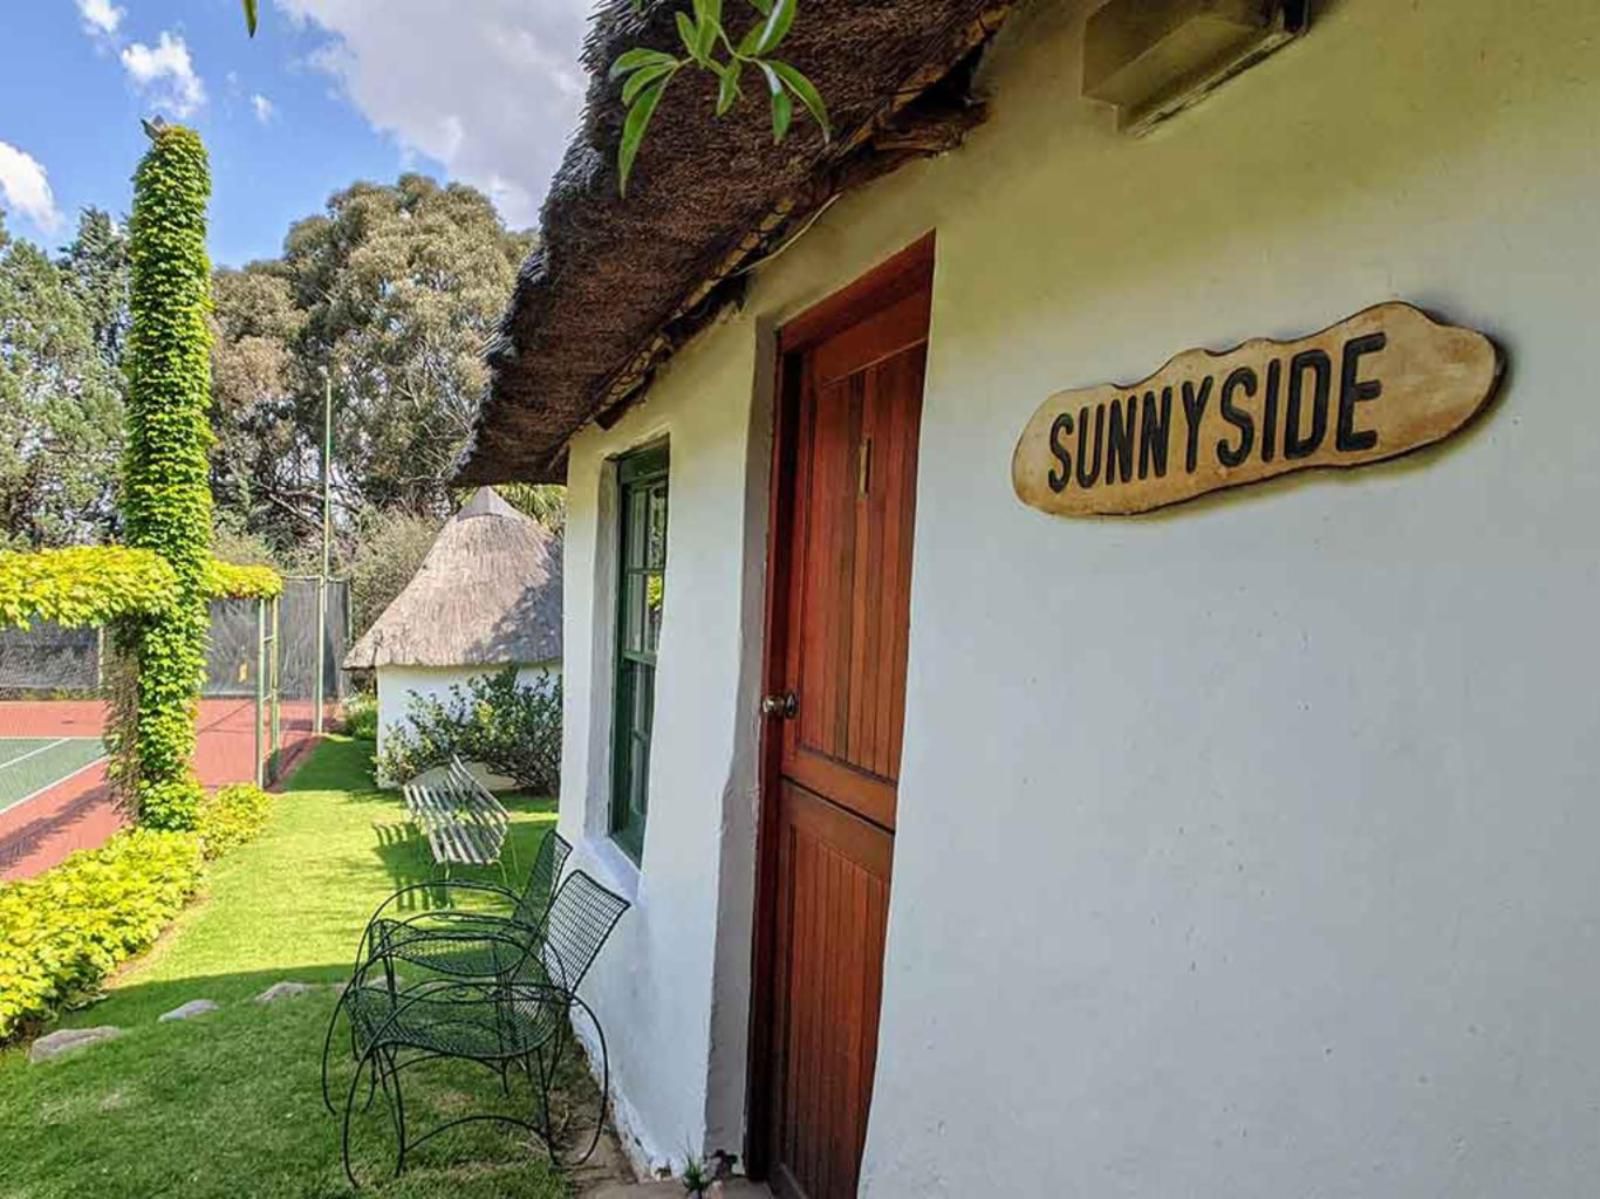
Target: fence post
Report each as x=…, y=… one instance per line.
x=261, y=685
x=276, y=694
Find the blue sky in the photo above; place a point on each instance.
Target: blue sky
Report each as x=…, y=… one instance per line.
x=329, y=91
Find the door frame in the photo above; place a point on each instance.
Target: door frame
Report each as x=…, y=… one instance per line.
x=902, y=274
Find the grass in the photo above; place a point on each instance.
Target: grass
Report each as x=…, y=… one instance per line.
x=228, y=1104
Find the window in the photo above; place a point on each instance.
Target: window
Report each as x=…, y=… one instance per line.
x=641, y=590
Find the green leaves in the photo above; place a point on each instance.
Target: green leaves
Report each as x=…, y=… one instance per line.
x=167, y=483
x=775, y=28
x=250, y=16
x=807, y=94
x=63, y=932
x=706, y=45
x=636, y=122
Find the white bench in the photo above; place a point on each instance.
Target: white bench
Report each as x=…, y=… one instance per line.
x=465, y=825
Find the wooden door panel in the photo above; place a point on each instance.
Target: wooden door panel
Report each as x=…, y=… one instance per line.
x=833, y=904
x=852, y=601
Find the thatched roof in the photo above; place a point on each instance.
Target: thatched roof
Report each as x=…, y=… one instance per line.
x=617, y=284
x=488, y=594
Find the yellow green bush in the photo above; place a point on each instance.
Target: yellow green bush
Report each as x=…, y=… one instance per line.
x=84, y=585
x=227, y=580
x=230, y=816
x=63, y=932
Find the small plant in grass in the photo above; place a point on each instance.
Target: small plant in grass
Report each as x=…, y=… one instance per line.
x=231, y=816
x=512, y=727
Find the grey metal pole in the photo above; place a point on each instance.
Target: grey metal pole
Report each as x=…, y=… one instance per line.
x=261, y=687
x=327, y=548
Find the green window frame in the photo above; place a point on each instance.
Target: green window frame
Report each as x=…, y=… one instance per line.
x=641, y=593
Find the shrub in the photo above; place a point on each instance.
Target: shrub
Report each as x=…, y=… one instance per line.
x=361, y=716
x=512, y=727
x=63, y=932
x=230, y=816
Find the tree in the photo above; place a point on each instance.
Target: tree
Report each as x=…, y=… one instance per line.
x=60, y=392
x=96, y=267
x=394, y=289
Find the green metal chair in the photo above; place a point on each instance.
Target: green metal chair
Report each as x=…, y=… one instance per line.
x=463, y=945
x=518, y=1020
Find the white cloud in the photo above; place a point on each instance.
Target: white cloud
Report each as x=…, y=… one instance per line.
x=166, y=72
x=263, y=108
x=100, y=17
x=492, y=89
x=25, y=187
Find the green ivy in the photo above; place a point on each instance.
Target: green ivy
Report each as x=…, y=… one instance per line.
x=83, y=586
x=230, y=581
x=166, y=486
x=91, y=585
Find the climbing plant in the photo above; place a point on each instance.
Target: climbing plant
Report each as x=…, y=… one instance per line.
x=166, y=488
x=83, y=586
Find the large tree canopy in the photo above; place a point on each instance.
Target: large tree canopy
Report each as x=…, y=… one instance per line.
x=393, y=289
x=61, y=394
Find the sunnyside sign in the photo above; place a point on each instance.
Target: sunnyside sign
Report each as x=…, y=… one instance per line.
x=1381, y=384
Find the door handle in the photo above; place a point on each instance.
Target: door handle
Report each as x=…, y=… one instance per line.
x=785, y=705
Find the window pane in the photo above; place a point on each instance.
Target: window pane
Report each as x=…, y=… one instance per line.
x=656, y=555
x=633, y=537
x=633, y=612
x=655, y=593
x=638, y=802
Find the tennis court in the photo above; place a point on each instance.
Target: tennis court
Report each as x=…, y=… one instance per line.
x=54, y=797
x=30, y=766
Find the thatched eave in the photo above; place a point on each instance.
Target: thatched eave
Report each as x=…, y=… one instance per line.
x=618, y=284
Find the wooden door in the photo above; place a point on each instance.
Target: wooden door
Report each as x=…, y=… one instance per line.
x=852, y=404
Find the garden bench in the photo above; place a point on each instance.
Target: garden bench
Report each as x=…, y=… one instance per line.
x=465, y=825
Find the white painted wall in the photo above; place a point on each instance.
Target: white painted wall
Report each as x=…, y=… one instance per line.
x=1247, y=850
x=396, y=685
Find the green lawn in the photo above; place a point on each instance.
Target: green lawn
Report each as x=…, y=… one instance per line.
x=228, y=1104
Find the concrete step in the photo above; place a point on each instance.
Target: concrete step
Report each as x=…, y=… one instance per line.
x=734, y=1188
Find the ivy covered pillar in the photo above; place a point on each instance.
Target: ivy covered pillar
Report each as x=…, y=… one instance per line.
x=166, y=487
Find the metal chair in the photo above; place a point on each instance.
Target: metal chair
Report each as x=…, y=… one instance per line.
x=520, y=1019
x=465, y=945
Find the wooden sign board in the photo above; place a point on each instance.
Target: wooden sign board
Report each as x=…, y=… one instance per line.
x=1381, y=384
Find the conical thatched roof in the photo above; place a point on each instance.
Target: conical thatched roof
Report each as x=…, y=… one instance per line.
x=488, y=594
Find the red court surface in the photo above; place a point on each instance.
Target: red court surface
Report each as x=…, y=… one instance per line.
x=78, y=813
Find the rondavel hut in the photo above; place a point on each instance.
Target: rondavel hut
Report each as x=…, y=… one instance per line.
x=488, y=595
